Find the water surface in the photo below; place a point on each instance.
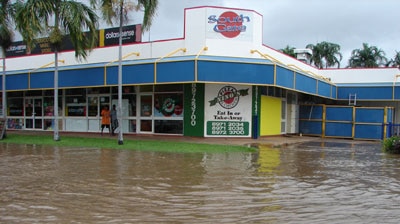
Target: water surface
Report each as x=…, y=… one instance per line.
x=317, y=182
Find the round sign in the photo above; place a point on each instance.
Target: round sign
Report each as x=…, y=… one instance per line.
x=228, y=96
x=228, y=22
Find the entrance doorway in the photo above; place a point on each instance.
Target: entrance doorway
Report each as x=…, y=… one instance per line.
x=33, y=113
x=95, y=104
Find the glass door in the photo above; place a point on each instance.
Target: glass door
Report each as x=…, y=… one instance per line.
x=146, y=113
x=95, y=104
x=33, y=113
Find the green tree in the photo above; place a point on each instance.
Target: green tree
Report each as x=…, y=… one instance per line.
x=367, y=57
x=325, y=54
x=288, y=50
x=118, y=10
x=7, y=18
x=56, y=18
x=395, y=62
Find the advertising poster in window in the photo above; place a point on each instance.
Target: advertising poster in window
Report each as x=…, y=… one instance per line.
x=228, y=110
x=168, y=105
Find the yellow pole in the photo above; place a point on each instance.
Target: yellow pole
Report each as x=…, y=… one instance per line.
x=394, y=85
x=195, y=62
x=323, y=120
x=385, y=123
x=266, y=56
x=353, y=127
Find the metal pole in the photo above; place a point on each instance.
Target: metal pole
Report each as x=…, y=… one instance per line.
x=55, y=106
x=119, y=111
x=4, y=88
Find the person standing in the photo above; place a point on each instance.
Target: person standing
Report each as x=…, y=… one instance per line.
x=114, y=119
x=105, y=119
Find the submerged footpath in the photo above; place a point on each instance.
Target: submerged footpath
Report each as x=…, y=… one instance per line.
x=272, y=141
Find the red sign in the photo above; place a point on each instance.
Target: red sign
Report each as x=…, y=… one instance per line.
x=229, y=24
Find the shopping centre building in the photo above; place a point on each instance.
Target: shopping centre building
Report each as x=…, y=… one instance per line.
x=218, y=80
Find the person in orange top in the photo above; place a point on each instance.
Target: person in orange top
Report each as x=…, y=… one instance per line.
x=105, y=119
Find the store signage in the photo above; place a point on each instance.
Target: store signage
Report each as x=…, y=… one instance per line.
x=193, y=106
x=228, y=114
x=130, y=34
x=229, y=24
x=107, y=37
x=228, y=97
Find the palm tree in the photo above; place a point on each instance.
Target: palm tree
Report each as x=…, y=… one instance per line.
x=367, y=57
x=7, y=16
x=317, y=55
x=58, y=18
x=118, y=10
x=395, y=62
x=325, y=54
x=331, y=52
x=288, y=50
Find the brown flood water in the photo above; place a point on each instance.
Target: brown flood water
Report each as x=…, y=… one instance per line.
x=317, y=182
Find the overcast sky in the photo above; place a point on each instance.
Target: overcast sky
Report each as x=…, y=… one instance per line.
x=297, y=23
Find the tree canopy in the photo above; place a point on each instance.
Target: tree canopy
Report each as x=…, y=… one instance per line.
x=325, y=54
x=367, y=57
x=395, y=61
x=55, y=18
x=288, y=50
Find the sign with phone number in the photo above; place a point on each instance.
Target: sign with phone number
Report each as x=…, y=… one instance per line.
x=228, y=128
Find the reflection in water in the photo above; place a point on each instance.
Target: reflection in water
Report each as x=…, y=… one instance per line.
x=319, y=182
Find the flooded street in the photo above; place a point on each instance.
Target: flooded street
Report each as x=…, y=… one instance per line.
x=317, y=182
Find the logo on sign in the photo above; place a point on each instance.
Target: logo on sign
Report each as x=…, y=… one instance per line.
x=229, y=24
x=228, y=97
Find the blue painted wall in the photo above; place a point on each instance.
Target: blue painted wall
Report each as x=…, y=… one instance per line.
x=285, y=77
x=368, y=123
x=306, y=84
x=367, y=93
x=213, y=71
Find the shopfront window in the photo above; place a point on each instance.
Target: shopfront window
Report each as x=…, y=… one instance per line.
x=128, y=104
x=168, y=105
x=48, y=103
x=168, y=126
x=168, y=88
x=99, y=90
x=75, y=103
x=15, y=106
x=147, y=88
x=168, y=109
x=33, y=93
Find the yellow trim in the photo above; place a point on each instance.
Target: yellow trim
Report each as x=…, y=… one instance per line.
x=353, y=126
x=101, y=39
x=384, y=123
x=195, y=62
x=310, y=73
x=394, y=85
x=266, y=56
x=159, y=59
x=113, y=61
x=43, y=66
